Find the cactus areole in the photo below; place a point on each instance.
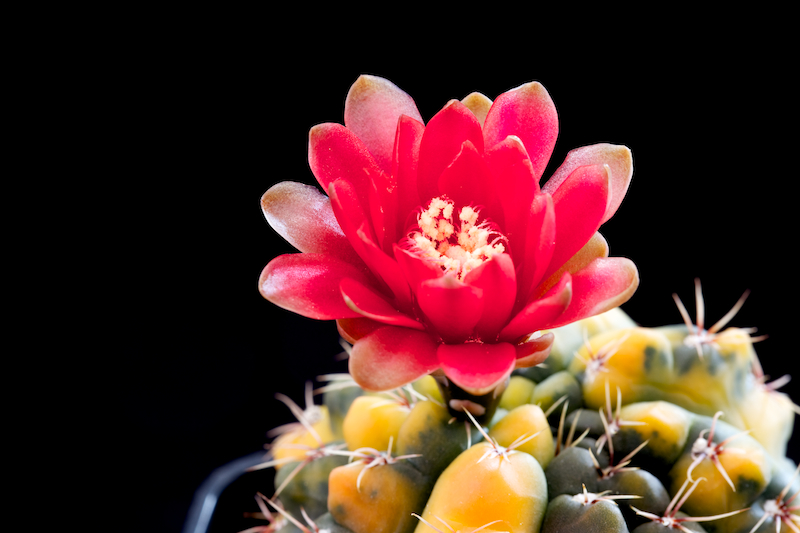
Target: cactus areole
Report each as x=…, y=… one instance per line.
x=433, y=245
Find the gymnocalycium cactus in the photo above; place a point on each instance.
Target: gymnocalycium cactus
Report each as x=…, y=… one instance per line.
x=494, y=384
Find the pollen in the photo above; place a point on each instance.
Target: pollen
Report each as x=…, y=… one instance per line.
x=457, y=243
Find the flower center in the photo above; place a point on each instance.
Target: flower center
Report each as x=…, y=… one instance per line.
x=459, y=243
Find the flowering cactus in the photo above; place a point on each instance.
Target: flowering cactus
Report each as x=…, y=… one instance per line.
x=435, y=249
x=438, y=254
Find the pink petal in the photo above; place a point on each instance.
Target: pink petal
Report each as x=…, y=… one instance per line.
x=604, y=284
x=441, y=143
x=416, y=269
x=595, y=248
x=348, y=210
x=538, y=314
x=580, y=203
x=383, y=209
x=308, y=284
x=539, y=247
x=404, y=168
x=452, y=307
x=391, y=357
x=371, y=111
x=356, y=227
x=353, y=329
x=515, y=184
x=386, y=268
x=476, y=367
x=617, y=157
x=370, y=304
x=304, y=217
x=533, y=351
x=529, y=113
x=335, y=153
x=468, y=181
x=498, y=282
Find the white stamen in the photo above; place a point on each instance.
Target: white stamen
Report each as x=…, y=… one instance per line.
x=457, y=246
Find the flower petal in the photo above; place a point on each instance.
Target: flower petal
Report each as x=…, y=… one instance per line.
x=390, y=357
x=370, y=304
x=479, y=104
x=580, y=203
x=371, y=111
x=416, y=269
x=453, y=308
x=347, y=207
x=498, y=282
x=534, y=350
x=386, y=268
x=383, y=209
x=308, y=284
x=352, y=329
x=335, y=153
x=596, y=247
x=538, y=314
x=617, y=157
x=404, y=169
x=354, y=223
x=303, y=216
x=539, y=246
x=607, y=282
x=516, y=186
x=441, y=143
x=477, y=367
x=468, y=181
x=529, y=113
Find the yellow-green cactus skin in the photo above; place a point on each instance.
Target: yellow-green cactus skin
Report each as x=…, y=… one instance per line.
x=293, y=444
x=663, y=425
x=380, y=502
x=373, y=421
x=607, y=438
x=429, y=432
x=475, y=490
x=518, y=392
x=638, y=361
x=523, y=421
x=665, y=363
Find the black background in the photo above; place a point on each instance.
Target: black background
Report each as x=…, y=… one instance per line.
x=209, y=122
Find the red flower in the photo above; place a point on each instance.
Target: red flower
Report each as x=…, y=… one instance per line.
x=436, y=247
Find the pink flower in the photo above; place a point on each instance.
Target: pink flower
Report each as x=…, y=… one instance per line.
x=435, y=247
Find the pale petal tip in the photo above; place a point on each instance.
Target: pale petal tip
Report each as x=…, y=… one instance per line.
x=532, y=87
x=317, y=131
x=275, y=194
x=451, y=102
x=479, y=104
x=368, y=79
x=365, y=81
x=624, y=266
x=368, y=83
x=621, y=157
x=269, y=202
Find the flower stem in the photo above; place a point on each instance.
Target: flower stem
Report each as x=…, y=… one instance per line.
x=482, y=407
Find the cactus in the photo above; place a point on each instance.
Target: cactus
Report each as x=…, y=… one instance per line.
x=494, y=383
x=642, y=465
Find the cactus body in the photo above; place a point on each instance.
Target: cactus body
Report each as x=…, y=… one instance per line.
x=628, y=429
x=383, y=500
x=372, y=421
x=567, y=515
x=472, y=492
x=523, y=421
